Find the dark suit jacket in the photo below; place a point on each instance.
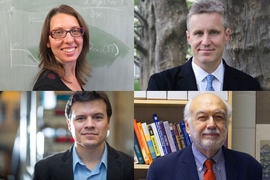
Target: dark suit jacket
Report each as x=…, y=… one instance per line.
x=183, y=78
x=59, y=166
x=181, y=165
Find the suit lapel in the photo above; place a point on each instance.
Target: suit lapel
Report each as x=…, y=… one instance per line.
x=230, y=165
x=65, y=168
x=186, y=78
x=115, y=166
x=230, y=78
x=188, y=165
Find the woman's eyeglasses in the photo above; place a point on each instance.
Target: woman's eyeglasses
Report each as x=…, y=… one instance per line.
x=61, y=33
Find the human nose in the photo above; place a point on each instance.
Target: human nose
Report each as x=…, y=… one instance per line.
x=206, y=40
x=211, y=124
x=89, y=123
x=69, y=38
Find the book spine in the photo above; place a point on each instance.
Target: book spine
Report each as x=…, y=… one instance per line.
x=153, y=139
x=145, y=157
x=173, y=136
x=153, y=125
x=177, y=136
x=169, y=136
x=144, y=142
x=181, y=135
x=160, y=134
x=148, y=140
x=166, y=140
x=186, y=136
x=137, y=150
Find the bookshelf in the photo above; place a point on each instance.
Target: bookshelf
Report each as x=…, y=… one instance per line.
x=167, y=110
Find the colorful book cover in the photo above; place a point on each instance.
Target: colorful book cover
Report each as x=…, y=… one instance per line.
x=153, y=125
x=166, y=140
x=139, y=124
x=153, y=139
x=181, y=135
x=143, y=150
x=137, y=150
x=177, y=136
x=148, y=140
x=186, y=136
x=169, y=135
x=173, y=136
x=160, y=134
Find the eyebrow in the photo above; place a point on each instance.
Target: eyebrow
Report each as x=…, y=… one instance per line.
x=56, y=28
x=217, y=111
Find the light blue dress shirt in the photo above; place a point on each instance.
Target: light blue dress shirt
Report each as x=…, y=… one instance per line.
x=81, y=172
x=218, y=166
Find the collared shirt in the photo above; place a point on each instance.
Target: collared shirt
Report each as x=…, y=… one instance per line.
x=201, y=80
x=82, y=172
x=218, y=166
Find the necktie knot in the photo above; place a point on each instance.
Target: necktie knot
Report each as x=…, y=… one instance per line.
x=209, y=173
x=210, y=79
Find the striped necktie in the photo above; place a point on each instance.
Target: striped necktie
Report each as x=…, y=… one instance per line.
x=210, y=79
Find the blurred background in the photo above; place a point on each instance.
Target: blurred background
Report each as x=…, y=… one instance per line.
x=33, y=126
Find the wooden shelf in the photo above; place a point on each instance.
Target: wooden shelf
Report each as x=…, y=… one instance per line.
x=160, y=102
x=141, y=166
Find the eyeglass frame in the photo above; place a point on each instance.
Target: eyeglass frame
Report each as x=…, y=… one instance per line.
x=80, y=28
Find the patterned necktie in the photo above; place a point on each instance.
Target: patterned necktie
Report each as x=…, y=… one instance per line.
x=209, y=173
x=210, y=79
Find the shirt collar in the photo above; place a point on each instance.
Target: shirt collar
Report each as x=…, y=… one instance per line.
x=200, y=158
x=76, y=158
x=200, y=74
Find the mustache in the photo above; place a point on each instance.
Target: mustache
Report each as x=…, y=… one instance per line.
x=211, y=131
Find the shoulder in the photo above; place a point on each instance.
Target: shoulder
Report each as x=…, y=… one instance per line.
x=120, y=155
x=51, y=160
x=246, y=81
x=241, y=158
x=49, y=80
x=171, y=158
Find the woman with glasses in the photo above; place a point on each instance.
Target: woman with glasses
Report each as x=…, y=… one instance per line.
x=63, y=47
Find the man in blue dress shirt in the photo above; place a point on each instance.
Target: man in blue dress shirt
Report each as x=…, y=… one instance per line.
x=206, y=118
x=91, y=157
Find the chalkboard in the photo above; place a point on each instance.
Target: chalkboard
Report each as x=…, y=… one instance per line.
x=111, y=34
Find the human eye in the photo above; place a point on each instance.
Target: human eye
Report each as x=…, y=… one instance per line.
x=58, y=32
x=202, y=117
x=76, y=31
x=198, y=33
x=214, y=32
x=219, y=117
x=80, y=118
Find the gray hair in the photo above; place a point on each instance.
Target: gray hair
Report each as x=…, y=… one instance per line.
x=188, y=111
x=208, y=6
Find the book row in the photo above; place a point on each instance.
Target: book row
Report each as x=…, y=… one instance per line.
x=158, y=139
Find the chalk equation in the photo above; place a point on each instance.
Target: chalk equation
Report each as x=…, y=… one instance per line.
x=106, y=49
x=15, y=48
x=99, y=3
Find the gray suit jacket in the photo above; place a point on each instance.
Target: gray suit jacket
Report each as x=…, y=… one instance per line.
x=59, y=166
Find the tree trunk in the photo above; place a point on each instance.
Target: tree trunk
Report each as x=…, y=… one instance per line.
x=249, y=45
x=162, y=44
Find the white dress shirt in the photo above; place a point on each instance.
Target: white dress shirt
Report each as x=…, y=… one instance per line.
x=201, y=80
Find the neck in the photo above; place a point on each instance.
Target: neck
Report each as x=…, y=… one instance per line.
x=90, y=156
x=208, y=67
x=70, y=69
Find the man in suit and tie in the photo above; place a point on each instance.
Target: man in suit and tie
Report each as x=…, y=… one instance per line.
x=206, y=118
x=207, y=33
x=91, y=157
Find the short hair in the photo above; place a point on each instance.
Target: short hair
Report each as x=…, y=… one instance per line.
x=187, y=110
x=208, y=6
x=85, y=96
x=47, y=58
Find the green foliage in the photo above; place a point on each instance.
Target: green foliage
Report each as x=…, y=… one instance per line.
x=136, y=3
x=137, y=85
